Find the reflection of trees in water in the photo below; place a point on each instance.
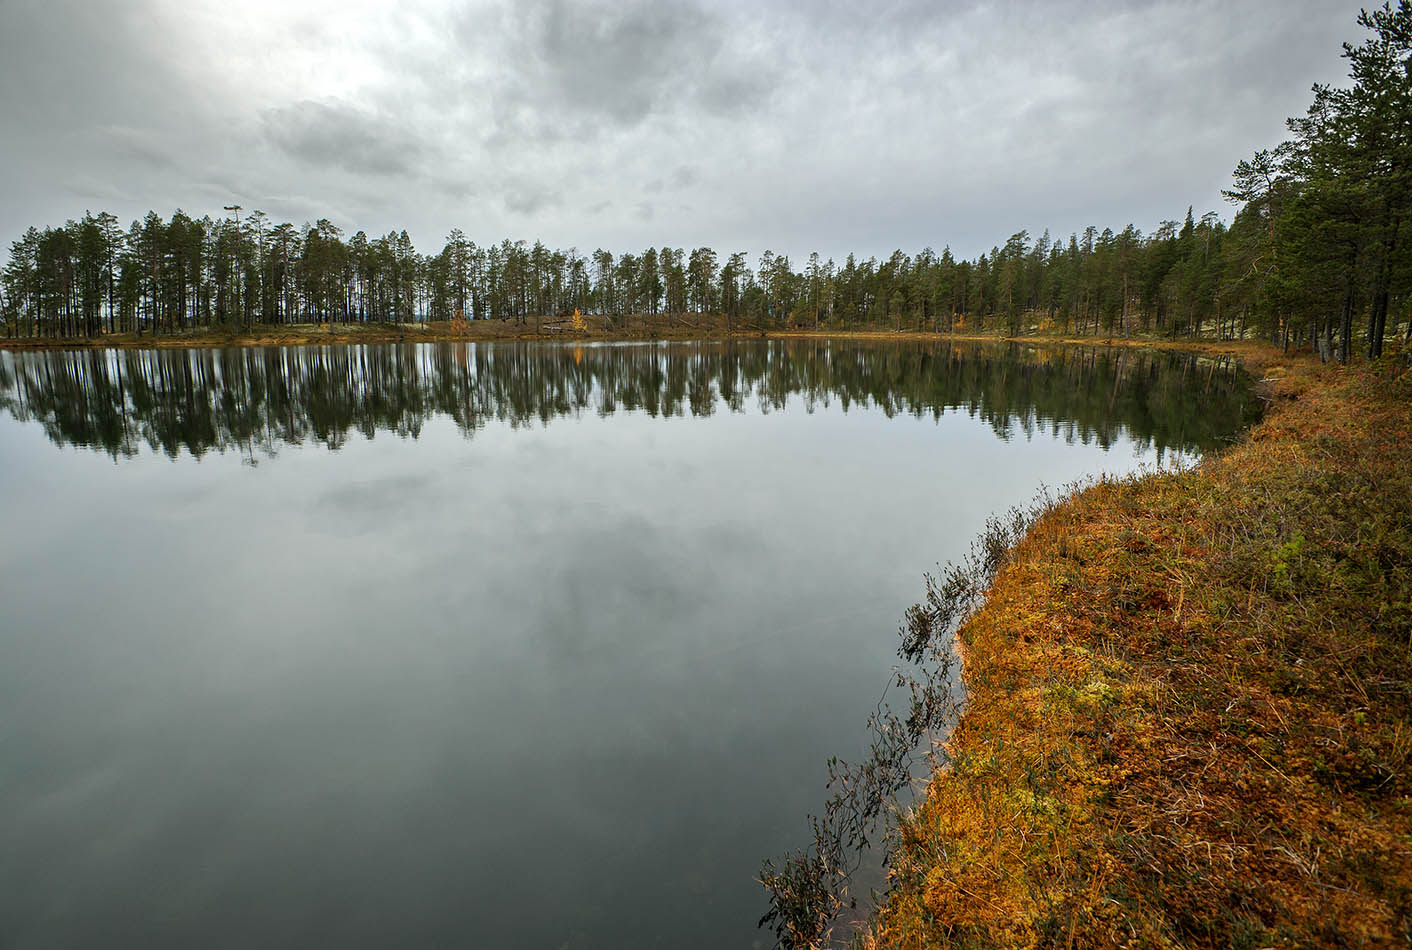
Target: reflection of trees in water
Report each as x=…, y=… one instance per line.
x=255, y=400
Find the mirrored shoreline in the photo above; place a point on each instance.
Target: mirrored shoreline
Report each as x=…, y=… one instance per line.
x=254, y=401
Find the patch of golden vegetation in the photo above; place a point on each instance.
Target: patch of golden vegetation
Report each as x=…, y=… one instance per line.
x=1189, y=709
x=583, y=327
x=580, y=327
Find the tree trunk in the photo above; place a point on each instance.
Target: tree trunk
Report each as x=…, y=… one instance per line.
x=1345, y=334
x=1125, y=304
x=1377, y=319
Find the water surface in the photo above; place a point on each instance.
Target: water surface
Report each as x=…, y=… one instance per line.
x=504, y=645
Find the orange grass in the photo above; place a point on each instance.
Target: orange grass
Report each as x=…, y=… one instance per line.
x=588, y=327
x=691, y=326
x=1189, y=716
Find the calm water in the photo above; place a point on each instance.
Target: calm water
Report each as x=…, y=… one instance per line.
x=510, y=645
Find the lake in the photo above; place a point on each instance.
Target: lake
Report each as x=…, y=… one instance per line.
x=533, y=645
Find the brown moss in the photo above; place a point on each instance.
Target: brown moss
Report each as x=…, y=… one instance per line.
x=1189, y=713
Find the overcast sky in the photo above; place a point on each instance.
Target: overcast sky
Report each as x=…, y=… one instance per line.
x=832, y=126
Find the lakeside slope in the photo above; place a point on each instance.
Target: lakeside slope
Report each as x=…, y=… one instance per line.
x=1189, y=708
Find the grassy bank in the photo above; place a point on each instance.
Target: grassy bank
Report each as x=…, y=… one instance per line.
x=595, y=327
x=1189, y=715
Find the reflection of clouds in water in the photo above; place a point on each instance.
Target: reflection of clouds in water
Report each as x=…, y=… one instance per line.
x=630, y=575
x=372, y=498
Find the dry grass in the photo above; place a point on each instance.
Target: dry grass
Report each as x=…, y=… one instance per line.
x=1189, y=713
x=596, y=327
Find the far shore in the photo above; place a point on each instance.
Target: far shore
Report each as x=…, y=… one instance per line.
x=600, y=329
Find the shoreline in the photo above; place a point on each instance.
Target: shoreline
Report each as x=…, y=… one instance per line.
x=646, y=330
x=1189, y=701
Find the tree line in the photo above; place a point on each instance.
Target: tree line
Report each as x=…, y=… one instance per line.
x=1315, y=254
x=91, y=277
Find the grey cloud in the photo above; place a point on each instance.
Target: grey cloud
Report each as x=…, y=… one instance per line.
x=528, y=200
x=458, y=188
x=139, y=145
x=69, y=60
x=685, y=175
x=224, y=189
x=579, y=67
x=340, y=135
x=732, y=94
x=617, y=59
x=89, y=186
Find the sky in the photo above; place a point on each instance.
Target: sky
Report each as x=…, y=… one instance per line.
x=831, y=126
